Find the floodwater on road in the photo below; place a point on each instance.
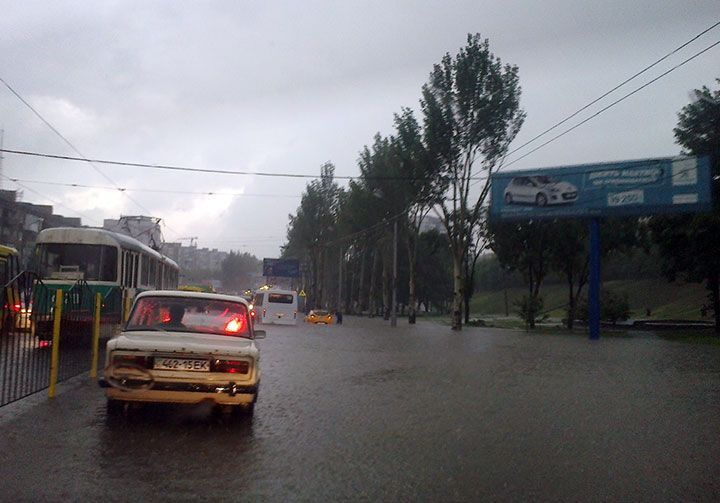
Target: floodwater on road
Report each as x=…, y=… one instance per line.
x=361, y=411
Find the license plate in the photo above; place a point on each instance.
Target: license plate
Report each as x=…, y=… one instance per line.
x=182, y=364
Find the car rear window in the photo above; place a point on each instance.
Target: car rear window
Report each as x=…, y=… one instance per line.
x=280, y=298
x=188, y=314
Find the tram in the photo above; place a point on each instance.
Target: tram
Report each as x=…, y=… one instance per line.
x=83, y=261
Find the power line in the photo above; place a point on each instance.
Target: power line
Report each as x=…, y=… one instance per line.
x=205, y=170
x=652, y=65
x=57, y=203
x=68, y=142
x=155, y=191
x=607, y=107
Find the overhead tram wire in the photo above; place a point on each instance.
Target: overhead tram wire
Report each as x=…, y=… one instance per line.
x=607, y=107
x=607, y=93
x=604, y=109
x=54, y=201
x=155, y=191
x=205, y=170
x=73, y=147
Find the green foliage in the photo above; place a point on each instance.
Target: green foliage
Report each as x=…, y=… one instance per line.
x=614, y=307
x=239, y=271
x=530, y=310
x=689, y=244
x=471, y=112
x=434, y=269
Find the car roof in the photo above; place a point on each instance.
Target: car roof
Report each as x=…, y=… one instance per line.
x=192, y=295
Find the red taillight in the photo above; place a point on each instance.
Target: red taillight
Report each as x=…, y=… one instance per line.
x=264, y=312
x=17, y=307
x=232, y=366
x=235, y=325
x=43, y=344
x=252, y=314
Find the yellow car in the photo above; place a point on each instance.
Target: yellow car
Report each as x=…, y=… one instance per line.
x=318, y=316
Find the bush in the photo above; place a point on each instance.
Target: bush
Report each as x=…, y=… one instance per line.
x=613, y=307
x=530, y=310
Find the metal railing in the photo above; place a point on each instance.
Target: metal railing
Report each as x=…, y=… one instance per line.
x=46, y=335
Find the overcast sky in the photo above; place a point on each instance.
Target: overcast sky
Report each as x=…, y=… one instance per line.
x=286, y=86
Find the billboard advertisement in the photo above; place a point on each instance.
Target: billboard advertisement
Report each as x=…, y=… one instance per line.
x=277, y=267
x=642, y=187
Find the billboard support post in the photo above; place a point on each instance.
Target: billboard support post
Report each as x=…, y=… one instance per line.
x=594, y=292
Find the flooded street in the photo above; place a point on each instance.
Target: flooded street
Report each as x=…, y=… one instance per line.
x=363, y=412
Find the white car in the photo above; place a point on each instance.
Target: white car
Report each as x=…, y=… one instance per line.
x=539, y=190
x=185, y=347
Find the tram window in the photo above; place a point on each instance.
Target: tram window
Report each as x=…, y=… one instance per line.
x=108, y=270
x=78, y=261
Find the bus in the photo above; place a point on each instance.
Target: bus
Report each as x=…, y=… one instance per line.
x=275, y=306
x=83, y=261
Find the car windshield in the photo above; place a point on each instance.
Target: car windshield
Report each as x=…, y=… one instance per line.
x=188, y=314
x=320, y=313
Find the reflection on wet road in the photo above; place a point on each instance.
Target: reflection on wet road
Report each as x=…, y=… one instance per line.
x=359, y=411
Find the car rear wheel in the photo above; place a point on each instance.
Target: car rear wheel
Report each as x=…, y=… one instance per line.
x=541, y=200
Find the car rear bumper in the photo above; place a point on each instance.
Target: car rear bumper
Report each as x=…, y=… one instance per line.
x=173, y=392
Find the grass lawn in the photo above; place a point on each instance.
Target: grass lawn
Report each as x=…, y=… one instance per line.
x=665, y=300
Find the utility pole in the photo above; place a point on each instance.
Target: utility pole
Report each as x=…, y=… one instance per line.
x=340, y=274
x=393, y=309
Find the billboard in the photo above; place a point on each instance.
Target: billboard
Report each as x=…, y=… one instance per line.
x=642, y=187
x=281, y=267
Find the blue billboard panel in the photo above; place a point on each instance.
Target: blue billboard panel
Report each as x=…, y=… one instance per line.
x=644, y=187
x=285, y=268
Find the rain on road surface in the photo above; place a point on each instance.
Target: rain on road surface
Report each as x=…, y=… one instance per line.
x=361, y=412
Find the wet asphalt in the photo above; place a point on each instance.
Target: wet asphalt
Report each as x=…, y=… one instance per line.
x=363, y=412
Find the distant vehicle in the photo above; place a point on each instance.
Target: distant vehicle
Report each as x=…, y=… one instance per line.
x=275, y=306
x=85, y=261
x=184, y=347
x=319, y=317
x=197, y=288
x=10, y=302
x=540, y=191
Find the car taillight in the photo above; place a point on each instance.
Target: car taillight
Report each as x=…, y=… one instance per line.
x=294, y=315
x=16, y=307
x=264, y=312
x=235, y=325
x=231, y=366
x=132, y=360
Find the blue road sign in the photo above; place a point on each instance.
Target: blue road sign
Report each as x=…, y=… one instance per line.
x=641, y=187
x=276, y=267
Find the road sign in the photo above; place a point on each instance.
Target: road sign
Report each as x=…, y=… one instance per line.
x=283, y=268
x=642, y=187
x=302, y=293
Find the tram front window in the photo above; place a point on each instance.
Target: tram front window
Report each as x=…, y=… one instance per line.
x=78, y=261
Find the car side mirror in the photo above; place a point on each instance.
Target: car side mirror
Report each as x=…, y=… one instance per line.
x=260, y=334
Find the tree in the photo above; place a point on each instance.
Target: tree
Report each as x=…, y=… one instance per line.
x=471, y=109
x=239, y=270
x=688, y=244
x=312, y=227
x=524, y=247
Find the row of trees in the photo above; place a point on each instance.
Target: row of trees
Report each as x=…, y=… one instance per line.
x=440, y=163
